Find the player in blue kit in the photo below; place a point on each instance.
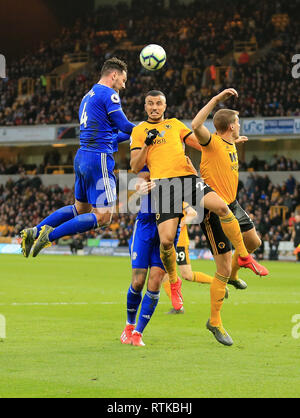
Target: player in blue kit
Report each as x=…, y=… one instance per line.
x=144, y=248
x=101, y=117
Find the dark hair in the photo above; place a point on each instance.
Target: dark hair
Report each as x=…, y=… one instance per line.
x=113, y=64
x=223, y=118
x=155, y=93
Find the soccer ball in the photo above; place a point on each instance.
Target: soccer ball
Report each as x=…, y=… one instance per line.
x=153, y=57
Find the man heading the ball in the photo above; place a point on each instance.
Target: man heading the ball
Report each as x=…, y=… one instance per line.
x=101, y=118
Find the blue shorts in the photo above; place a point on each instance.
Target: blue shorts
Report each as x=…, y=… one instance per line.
x=95, y=182
x=144, y=245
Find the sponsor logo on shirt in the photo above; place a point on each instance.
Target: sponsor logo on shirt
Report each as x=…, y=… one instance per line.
x=115, y=98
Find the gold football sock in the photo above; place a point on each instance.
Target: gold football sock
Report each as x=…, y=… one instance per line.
x=168, y=257
x=232, y=231
x=234, y=266
x=167, y=288
x=217, y=294
x=200, y=277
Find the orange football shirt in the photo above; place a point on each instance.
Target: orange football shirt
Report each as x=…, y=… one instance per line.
x=219, y=167
x=166, y=157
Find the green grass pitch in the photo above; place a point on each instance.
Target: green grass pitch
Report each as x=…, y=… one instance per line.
x=64, y=317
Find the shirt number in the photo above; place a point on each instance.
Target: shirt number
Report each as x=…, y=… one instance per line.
x=180, y=256
x=84, y=116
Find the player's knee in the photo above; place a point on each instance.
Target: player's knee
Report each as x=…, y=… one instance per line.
x=254, y=245
x=82, y=208
x=138, y=279
x=187, y=276
x=222, y=210
x=138, y=283
x=225, y=270
x=104, y=220
x=167, y=243
x=154, y=283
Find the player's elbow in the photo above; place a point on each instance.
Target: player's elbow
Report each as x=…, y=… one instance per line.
x=194, y=125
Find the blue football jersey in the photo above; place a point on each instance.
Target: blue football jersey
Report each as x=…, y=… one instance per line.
x=115, y=144
x=97, y=130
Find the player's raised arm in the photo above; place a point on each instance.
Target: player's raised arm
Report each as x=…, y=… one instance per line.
x=241, y=140
x=201, y=132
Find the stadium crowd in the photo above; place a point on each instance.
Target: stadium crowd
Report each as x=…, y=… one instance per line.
x=194, y=40
x=27, y=201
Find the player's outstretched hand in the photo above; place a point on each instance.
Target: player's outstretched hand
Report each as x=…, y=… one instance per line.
x=151, y=135
x=226, y=94
x=241, y=139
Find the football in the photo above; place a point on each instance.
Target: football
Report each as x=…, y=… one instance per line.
x=153, y=57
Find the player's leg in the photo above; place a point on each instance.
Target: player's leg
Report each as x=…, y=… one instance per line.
x=167, y=286
x=185, y=268
x=96, y=185
x=186, y=273
x=169, y=199
x=218, y=286
x=140, y=247
x=60, y=216
x=221, y=249
x=174, y=296
x=167, y=232
x=134, y=298
x=252, y=242
x=149, y=303
x=217, y=295
x=173, y=291
x=231, y=228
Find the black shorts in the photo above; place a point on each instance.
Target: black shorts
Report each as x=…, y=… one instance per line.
x=169, y=195
x=212, y=229
x=182, y=256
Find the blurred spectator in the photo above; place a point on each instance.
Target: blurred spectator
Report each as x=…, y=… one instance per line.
x=77, y=244
x=244, y=58
x=273, y=253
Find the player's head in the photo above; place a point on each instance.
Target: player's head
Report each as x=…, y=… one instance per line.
x=155, y=105
x=226, y=121
x=114, y=71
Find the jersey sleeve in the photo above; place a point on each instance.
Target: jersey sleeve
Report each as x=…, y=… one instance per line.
x=210, y=145
x=120, y=120
x=185, y=132
x=122, y=137
x=137, y=140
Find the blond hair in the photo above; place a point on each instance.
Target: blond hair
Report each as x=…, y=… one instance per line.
x=223, y=118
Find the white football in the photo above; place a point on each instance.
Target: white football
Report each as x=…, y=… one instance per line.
x=153, y=57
